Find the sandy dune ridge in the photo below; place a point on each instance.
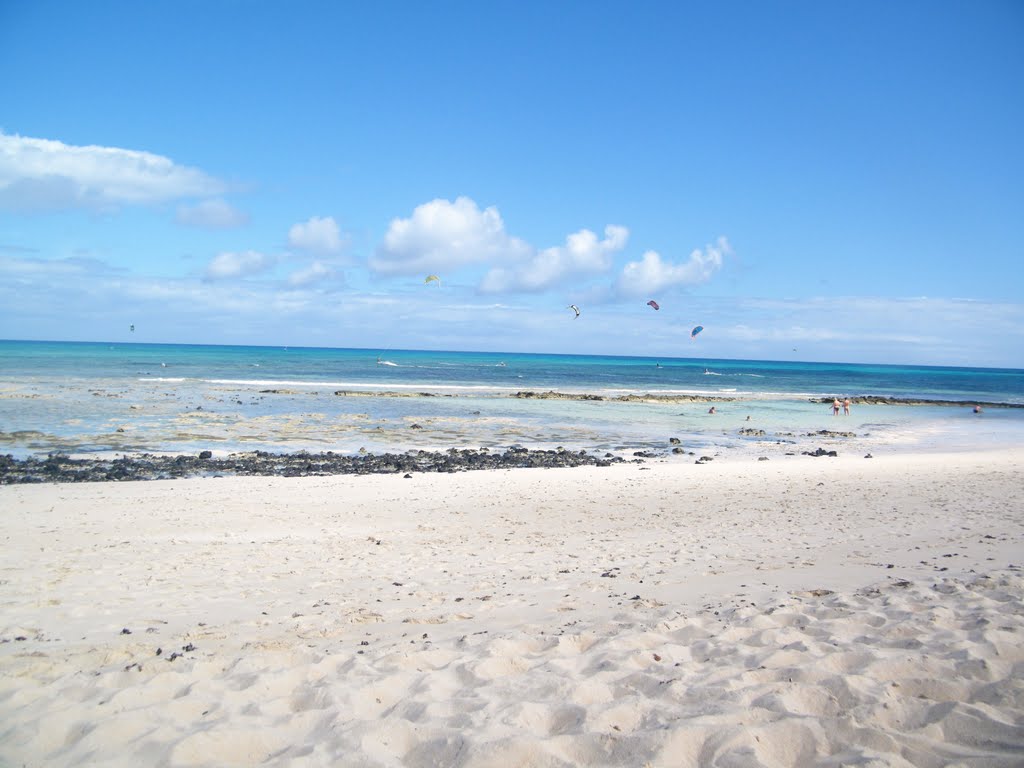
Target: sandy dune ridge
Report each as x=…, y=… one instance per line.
x=741, y=613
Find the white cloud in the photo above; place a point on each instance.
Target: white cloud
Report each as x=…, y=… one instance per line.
x=316, y=272
x=211, y=214
x=50, y=270
x=41, y=174
x=789, y=334
x=320, y=235
x=228, y=265
x=651, y=274
x=86, y=299
x=582, y=254
x=442, y=235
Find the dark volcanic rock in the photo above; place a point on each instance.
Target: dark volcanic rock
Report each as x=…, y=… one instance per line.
x=58, y=468
x=552, y=395
x=884, y=400
x=632, y=398
x=820, y=452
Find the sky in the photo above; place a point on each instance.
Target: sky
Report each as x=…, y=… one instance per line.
x=837, y=181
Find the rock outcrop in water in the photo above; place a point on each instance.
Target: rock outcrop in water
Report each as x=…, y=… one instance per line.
x=884, y=400
x=552, y=395
x=645, y=398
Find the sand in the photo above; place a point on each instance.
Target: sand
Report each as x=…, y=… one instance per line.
x=801, y=612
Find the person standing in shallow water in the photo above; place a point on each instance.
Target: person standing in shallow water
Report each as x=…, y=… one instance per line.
x=835, y=407
x=846, y=407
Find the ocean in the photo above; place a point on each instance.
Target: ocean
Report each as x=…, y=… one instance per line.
x=113, y=398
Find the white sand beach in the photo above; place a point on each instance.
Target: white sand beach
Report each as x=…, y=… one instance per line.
x=804, y=612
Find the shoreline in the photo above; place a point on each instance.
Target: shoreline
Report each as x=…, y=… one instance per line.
x=800, y=612
x=60, y=467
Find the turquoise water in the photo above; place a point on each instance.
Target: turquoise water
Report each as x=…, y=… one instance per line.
x=98, y=397
x=488, y=371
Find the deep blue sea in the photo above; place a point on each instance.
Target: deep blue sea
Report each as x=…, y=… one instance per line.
x=86, y=398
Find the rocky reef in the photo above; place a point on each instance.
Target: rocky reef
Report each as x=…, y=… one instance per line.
x=885, y=400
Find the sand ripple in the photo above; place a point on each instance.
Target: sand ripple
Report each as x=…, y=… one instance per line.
x=827, y=680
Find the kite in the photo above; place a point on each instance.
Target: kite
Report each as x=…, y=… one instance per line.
x=432, y=278
x=575, y=309
x=695, y=331
x=132, y=329
x=653, y=303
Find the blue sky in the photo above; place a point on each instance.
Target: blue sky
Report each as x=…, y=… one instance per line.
x=807, y=180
